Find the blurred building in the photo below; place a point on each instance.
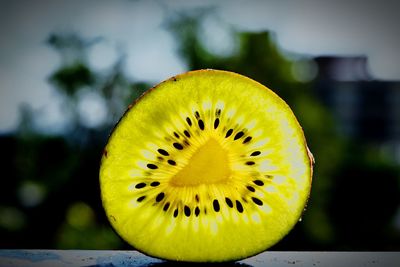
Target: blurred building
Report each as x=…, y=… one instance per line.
x=365, y=109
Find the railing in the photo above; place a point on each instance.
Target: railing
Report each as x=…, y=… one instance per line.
x=134, y=258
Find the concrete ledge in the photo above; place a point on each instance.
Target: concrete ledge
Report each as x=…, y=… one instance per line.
x=134, y=258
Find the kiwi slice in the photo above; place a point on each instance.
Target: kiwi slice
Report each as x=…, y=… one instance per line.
x=207, y=166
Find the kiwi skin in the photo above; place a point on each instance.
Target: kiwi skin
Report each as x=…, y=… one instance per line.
x=174, y=79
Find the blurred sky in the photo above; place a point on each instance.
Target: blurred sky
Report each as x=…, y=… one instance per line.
x=309, y=27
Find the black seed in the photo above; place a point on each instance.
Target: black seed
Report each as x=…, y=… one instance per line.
x=258, y=182
x=160, y=158
x=152, y=166
x=228, y=133
x=247, y=139
x=171, y=162
x=197, y=198
x=218, y=112
x=255, y=153
x=239, y=206
x=257, y=201
x=216, y=205
x=154, y=184
x=176, y=135
x=186, y=143
x=216, y=123
x=196, y=211
x=229, y=202
x=178, y=146
x=250, y=163
x=176, y=213
x=250, y=188
x=166, y=206
x=188, y=121
x=163, y=152
x=187, y=211
x=140, y=185
x=160, y=197
x=186, y=133
x=197, y=115
x=140, y=199
x=238, y=135
x=201, y=124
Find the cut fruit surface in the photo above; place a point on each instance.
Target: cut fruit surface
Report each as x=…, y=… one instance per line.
x=207, y=166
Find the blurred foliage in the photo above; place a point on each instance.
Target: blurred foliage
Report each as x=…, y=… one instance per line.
x=50, y=195
x=74, y=73
x=72, y=77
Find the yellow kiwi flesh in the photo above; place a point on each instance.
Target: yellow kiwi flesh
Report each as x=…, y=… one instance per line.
x=208, y=166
